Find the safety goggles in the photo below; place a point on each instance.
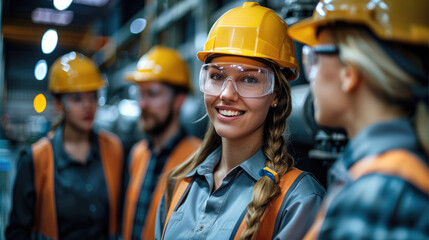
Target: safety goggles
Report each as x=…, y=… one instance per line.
x=310, y=58
x=248, y=80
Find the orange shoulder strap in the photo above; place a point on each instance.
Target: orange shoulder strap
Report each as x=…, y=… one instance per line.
x=180, y=191
x=184, y=149
x=139, y=162
x=268, y=219
x=45, y=216
x=182, y=152
x=399, y=163
x=112, y=159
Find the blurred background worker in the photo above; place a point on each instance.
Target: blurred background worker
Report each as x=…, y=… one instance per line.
x=368, y=66
x=68, y=184
x=164, y=82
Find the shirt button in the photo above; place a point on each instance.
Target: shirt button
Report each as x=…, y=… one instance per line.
x=88, y=187
x=201, y=227
x=92, y=208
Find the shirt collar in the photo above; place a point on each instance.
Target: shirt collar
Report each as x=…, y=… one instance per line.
x=380, y=137
x=251, y=166
x=208, y=165
x=171, y=144
x=63, y=160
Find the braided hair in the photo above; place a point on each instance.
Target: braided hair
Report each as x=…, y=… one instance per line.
x=274, y=148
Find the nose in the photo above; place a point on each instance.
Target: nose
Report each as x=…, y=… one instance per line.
x=88, y=102
x=142, y=102
x=229, y=92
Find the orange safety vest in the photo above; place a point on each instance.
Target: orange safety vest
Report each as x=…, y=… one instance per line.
x=45, y=216
x=268, y=219
x=139, y=162
x=398, y=162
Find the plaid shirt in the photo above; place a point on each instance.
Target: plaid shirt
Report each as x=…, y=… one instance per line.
x=156, y=164
x=376, y=206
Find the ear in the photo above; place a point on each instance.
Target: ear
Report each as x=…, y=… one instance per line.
x=275, y=102
x=179, y=99
x=350, y=78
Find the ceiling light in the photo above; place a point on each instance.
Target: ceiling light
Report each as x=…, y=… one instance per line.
x=51, y=16
x=138, y=25
x=62, y=4
x=41, y=69
x=49, y=41
x=95, y=3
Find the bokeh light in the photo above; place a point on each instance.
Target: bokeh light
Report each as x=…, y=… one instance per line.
x=41, y=70
x=138, y=25
x=62, y=4
x=49, y=41
x=39, y=103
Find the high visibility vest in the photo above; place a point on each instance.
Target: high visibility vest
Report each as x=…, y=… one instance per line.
x=45, y=217
x=398, y=162
x=268, y=218
x=139, y=163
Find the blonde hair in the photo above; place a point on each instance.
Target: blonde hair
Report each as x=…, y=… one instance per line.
x=274, y=148
x=384, y=76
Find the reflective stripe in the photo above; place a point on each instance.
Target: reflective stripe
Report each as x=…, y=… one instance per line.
x=397, y=162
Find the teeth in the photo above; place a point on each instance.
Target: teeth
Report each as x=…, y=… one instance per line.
x=229, y=112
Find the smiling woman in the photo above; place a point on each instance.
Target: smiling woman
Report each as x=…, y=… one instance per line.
x=241, y=183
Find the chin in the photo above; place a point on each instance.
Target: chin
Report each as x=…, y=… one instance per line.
x=86, y=127
x=228, y=133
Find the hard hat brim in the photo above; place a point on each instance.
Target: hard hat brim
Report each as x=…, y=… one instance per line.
x=293, y=64
x=81, y=88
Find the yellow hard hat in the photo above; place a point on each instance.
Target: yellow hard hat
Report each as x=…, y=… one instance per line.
x=252, y=31
x=164, y=65
x=394, y=20
x=73, y=72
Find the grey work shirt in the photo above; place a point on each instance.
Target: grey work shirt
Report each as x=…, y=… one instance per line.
x=216, y=215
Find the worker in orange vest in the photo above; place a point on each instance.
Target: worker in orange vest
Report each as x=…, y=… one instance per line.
x=68, y=185
x=241, y=183
x=164, y=82
x=367, y=62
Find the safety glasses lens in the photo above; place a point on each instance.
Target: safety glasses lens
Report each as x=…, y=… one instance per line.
x=248, y=80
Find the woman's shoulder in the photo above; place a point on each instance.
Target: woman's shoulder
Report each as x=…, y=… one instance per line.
x=383, y=186
x=380, y=201
x=379, y=194
x=305, y=185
